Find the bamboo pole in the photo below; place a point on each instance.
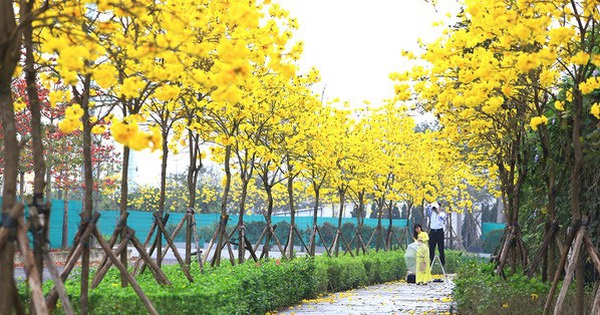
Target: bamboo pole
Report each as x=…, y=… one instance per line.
x=281, y=250
x=594, y=254
x=301, y=240
x=155, y=245
x=60, y=286
x=324, y=245
x=144, y=246
x=557, y=274
x=33, y=276
x=570, y=270
x=197, y=241
x=114, y=237
x=159, y=275
x=249, y=248
x=174, y=234
x=117, y=252
x=175, y=251
x=125, y=273
x=346, y=243
x=211, y=243
x=52, y=297
x=262, y=235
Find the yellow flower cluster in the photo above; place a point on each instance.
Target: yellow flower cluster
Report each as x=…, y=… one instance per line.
x=580, y=58
x=526, y=62
x=132, y=86
x=559, y=105
x=72, y=119
x=595, y=110
x=589, y=85
x=19, y=105
x=561, y=35
x=167, y=93
x=127, y=132
x=98, y=129
x=538, y=120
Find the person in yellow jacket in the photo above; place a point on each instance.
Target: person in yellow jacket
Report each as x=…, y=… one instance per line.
x=423, y=269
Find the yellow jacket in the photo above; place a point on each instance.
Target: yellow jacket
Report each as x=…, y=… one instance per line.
x=423, y=237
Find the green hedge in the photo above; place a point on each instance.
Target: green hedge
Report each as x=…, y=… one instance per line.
x=249, y=288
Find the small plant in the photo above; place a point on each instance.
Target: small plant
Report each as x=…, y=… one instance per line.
x=479, y=291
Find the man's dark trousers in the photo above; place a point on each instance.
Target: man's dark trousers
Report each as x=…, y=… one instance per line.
x=436, y=237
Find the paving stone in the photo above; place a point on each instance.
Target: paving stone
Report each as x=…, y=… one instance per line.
x=396, y=297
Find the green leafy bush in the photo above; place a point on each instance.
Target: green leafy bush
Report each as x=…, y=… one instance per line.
x=249, y=288
x=479, y=291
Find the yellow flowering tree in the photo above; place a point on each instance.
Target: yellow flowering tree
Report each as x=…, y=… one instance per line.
x=509, y=68
x=316, y=162
x=250, y=54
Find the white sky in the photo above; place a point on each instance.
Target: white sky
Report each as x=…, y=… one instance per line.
x=355, y=44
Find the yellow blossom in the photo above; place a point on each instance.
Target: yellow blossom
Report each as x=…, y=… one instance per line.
x=538, y=120
x=132, y=87
x=595, y=110
x=167, y=92
x=98, y=129
x=559, y=105
x=526, y=62
x=580, y=58
x=19, y=105
x=68, y=125
x=122, y=131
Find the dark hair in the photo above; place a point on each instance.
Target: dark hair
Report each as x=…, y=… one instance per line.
x=415, y=234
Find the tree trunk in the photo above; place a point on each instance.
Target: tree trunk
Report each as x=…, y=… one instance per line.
x=313, y=235
x=39, y=210
x=9, y=187
x=269, y=235
x=360, y=221
x=224, y=215
x=163, y=188
x=576, y=175
x=342, y=194
x=9, y=56
x=65, y=224
x=88, y=201
x=290, y=191
x=123, y=206
x=192, y=180
x=242, y=229
x=380, y=204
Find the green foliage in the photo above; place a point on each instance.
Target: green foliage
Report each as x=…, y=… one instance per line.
x=454, y=259
x=249, y=288
x=479, y=291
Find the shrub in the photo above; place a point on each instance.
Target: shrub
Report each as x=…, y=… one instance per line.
x=249, y=288
x=479, y=291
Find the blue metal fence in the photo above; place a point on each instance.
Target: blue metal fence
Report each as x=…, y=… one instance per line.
x=141, y=221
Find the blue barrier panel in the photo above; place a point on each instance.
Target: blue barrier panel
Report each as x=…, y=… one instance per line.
x=488, y=227
x=142, y=221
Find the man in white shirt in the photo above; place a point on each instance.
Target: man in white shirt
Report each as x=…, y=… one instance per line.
x=437, y=219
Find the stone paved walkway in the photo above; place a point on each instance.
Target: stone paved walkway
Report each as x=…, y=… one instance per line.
x=390, y=298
